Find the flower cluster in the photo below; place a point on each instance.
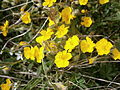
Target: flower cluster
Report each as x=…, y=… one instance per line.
x=56, y=30
x=103, y=46
x=34, y=53
x=59, y=28
x=57, y=35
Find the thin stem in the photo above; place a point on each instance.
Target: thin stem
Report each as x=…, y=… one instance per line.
x=107, y=61
x=39, y=31
x=76, y=85
x=46, y=75
x=15, y=6
x=103, y=80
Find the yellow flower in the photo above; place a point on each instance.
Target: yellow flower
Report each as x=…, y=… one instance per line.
x=92, y=60
x=71, y=43
x=87, y=45
x=66, y=15
x=26, y=18
x=84, y=11
x=116, y=54
x=5, y=28
x=50, y=22
x=34, y=53
x=6, y=86
x=87, y=21
x=40, y=39
x=49, y=3
x=27, y=52
x=103, y=1
x=39, y=54
x=83, y=2
x=62, y=30
x=61, y=59
x=103, y=46
x=45, y=35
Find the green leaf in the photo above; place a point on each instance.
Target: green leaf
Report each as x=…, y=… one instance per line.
x=32, y=83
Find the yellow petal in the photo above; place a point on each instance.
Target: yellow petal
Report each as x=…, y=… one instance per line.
x=26, y=18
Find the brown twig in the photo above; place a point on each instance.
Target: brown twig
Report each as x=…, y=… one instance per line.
x=98, y=88
x=99, y=79
x=76, y=85
x=3, y=76
x=113, y=80
x=107, y=61
x=15, y=6
x=91, y=35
